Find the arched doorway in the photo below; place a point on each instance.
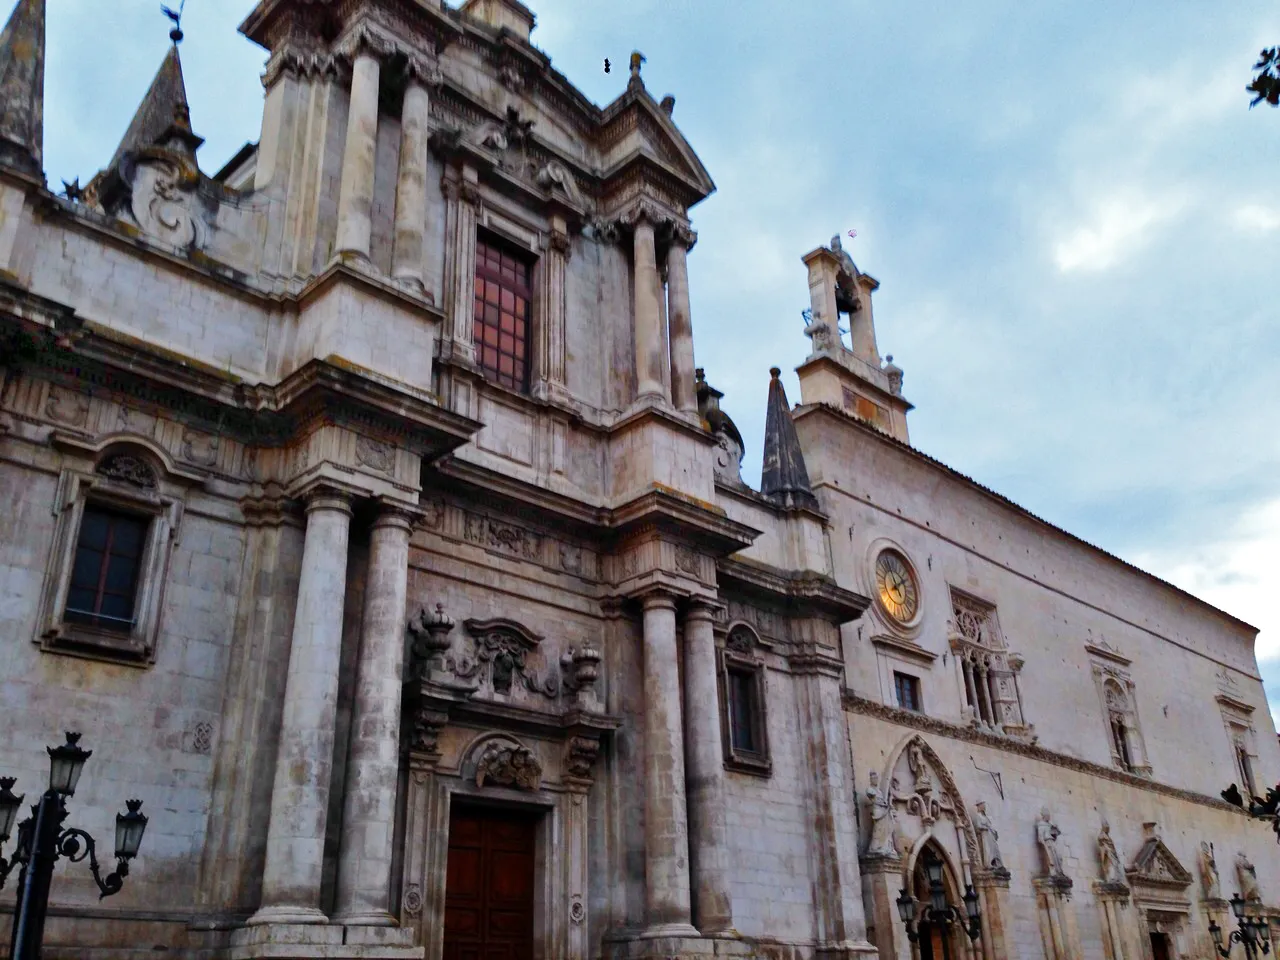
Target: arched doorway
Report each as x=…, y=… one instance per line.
x=937, y=941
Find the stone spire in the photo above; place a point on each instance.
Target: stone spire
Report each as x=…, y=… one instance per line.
x=163, y=114
x=22, y=89
x=785, y=479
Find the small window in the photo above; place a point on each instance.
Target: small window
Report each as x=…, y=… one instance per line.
x=104, y=576
x=1246, y=770
x=907, y=689
x=503, y=299
x=744, y=711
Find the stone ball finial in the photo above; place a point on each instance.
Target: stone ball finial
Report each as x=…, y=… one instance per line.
x=775, y=372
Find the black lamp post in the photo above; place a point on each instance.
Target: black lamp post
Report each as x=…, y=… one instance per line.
x=939, y=911
x=1254, y=932
x=42, y=840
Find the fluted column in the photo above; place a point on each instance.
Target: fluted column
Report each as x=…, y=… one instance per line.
x=666, y=832
x=648, y=329
x=411, y=185
x=304, y=763
x=369, y=807
x=683, y=382
x=704, y=777
x=355, y=196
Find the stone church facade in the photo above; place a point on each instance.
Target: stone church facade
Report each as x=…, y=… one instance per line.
x=364, y=508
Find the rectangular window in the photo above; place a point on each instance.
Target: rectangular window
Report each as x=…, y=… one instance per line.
x=104, y=576
x=907, y=689
x=1246, y=771
x=503, y=304
x=744, y=712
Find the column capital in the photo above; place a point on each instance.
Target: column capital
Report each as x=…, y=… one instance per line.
x=363, y=40
x=398, y=515
x=325, y=497
x=704, y=609
x=681, y=236
x=658, y=600
x=423, y=71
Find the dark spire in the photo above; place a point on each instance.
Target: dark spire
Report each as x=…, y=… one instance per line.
x=785, y=480
x=22, y=89
x=164, y=112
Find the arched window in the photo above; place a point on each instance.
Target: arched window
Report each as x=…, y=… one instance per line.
x=1120, y=718
x=742, y=702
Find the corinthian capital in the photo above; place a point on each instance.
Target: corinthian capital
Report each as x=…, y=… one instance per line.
x=364, y=38
x=644, y=209
x=424, y=70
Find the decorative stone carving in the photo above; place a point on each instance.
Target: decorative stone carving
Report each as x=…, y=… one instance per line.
x=375, y=454
x=1156, y=866
x=503, y=536
x=164, y=203
x=508, y=764
x=577, y=910
x=987, y=838
x=932, y=796
x=1210, y=885
x=199, y=448
x=433, y=514
x=424, y=735
x=555, y=178
x=570, y=558
x=431, y=637
x=1047, y=834
x=128, y=469
x=1109, y=862
x=1247, y=874
x=741, y=640
x=412, y=900
x=687, y=561
x=580, y=755
x=504, y=646
x=67, y=407
x=202, y=737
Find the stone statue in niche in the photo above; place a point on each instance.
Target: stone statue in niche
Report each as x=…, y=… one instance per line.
x=1047, y=834
x=1247, y=874
x=987, y=837
x=884, y=819
x=1109, y=857
x=1210, y=884
x=919, y=769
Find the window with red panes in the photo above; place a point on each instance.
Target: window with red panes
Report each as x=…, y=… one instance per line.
x=502, y=309
x=104, y=580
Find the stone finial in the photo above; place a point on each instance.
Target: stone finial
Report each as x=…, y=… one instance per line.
x=785, y=478
x=637, y=58
x=163, y=113
x=668, y=104
x=22, y=50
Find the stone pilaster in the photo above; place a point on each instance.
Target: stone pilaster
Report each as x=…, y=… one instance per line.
x=551, y=312
x=300, y=796
x=368, y=820
x=704, y=772
x=1113, y=904
x=355, y=197
x=411, y=185
x=462, y=194
x=649, y=341
x=993, y=891
x=1057, y=924
x=683, y=377
x=666, y=827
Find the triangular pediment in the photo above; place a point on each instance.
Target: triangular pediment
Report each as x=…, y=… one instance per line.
x=634, y=129
x=1155, y=865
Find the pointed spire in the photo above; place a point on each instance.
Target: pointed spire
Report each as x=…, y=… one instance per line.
x=22, y=89
x=785, y=479
x=164, y=111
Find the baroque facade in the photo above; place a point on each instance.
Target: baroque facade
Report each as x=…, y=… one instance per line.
x=364, y=509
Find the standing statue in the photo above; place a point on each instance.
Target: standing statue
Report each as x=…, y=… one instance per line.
x=920, y=769
x=987, y=837
x=884, y=822
x=1109, y=857
x=1209, y=882
x=1247, y=874
x=1047, y=836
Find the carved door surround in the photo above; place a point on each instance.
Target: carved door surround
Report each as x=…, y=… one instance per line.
x=531, y=749
x=927, y=810
x=1160, y=889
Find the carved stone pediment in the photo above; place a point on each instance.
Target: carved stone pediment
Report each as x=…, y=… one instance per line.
x=1156, y=866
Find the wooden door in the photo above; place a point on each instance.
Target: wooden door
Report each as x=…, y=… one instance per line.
x=488, y=912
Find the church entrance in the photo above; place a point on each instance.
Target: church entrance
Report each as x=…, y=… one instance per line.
x=1160, y=947
x=936, y=941
x=489, y=885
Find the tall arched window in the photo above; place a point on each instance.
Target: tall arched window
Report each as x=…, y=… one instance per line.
x=1119, y=713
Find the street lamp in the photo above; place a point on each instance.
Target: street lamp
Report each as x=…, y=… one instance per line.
x=42, y=840
x=939, y=911
x=1254, y=932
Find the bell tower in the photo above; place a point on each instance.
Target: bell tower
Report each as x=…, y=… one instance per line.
x=852, y=377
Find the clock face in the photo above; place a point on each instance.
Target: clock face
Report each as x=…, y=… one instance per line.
x=896, y=586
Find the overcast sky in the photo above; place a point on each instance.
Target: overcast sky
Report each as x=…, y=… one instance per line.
x=1073, y=216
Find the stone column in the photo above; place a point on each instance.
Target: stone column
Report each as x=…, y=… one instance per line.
x=355, y=196
x=411, y=185
x=304, y=762
x=704, y=773
x=683, y=381
x=373, y=758
x=648, y=329
x=666, y=829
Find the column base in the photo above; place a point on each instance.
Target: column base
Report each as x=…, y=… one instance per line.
x=366, y=918
x=287, y=915
x=287, y=941
x=665, y=942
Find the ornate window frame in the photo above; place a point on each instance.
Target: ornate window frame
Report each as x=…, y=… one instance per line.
x=1237, y=721
x=1117, y=696
x=132, y=476
x=986, y=671
x=742, y=651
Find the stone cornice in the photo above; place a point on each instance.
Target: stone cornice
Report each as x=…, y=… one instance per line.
x=683, y=517
x=904, y=718
x=804, y=594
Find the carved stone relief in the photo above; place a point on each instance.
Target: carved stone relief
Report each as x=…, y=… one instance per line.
x=127, y=469
x=918, y=793
x=67, y=407
x=506, y=763
x=580, y=755
x=375, y=454
x=164, y=204
x=491, y=533
x=199, y=448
